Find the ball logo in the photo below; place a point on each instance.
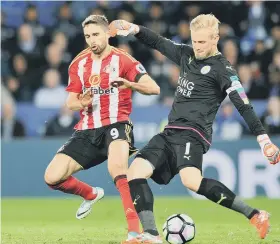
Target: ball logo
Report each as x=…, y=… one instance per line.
x=94, y=80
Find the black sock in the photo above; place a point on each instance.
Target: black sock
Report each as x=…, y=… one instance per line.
x=220, y=194
x=143, y=201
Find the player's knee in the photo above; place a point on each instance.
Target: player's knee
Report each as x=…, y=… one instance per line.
x=50, y=178
x=118, y=168
x=191, y=178
x=59, y=169
x=191, y=184
x=139, y=169
x=53, y=177
x=119, y=150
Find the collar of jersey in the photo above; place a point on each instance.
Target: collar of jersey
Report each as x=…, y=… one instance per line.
x=214, y=55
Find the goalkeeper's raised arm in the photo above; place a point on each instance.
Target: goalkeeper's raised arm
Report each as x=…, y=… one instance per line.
x=168, y=48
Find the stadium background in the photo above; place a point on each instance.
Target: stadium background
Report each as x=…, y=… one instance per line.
x=38, y=41
x=38, y=45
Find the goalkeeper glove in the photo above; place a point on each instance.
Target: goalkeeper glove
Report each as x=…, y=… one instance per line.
x=122, y=28
x=269, y=150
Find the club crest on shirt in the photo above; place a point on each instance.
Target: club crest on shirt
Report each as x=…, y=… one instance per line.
x=106, y=69
x=94, y=80
x=204, y=70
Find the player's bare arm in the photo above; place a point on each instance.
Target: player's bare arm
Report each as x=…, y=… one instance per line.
x=76, y=101
x=146, y=85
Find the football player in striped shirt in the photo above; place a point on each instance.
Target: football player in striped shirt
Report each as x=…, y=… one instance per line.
x=101, y=81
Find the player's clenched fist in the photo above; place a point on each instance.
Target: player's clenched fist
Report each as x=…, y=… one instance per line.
x=272, y=153
x=122, y=28
x=86, y=98
x=269, y=150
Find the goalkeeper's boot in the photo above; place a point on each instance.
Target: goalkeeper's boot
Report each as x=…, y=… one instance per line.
x=85, y=208
x=261, y=222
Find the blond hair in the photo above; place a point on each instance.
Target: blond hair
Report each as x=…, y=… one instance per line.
x=205, y=21
x=96, y=19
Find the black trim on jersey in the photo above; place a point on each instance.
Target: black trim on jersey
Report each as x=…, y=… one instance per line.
x=248, y=113
x=138, y=76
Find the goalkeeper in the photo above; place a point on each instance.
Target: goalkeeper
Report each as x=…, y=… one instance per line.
x=206, y=78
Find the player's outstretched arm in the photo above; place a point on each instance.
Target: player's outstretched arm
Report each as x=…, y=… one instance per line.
x=170, y=49
x=230, y=83
x=269, y=150
x=146, y=85
x=76, y=101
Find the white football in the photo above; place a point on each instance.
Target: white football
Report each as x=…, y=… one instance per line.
x=179, y=229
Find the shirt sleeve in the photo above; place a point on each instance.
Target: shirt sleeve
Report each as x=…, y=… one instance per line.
x=168, y=48
x=229, y=83
x=74, y=82
x=133, y=69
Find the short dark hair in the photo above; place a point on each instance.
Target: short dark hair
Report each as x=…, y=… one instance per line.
x=97, y=20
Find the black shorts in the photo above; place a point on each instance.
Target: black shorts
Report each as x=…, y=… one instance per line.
x=90, y=147
x=170, y=151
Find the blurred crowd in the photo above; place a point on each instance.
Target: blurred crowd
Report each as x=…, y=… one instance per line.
x=39, y=40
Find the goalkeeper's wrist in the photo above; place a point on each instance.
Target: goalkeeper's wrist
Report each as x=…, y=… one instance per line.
x=134, y=29
x=137, y=29
x=263, y=140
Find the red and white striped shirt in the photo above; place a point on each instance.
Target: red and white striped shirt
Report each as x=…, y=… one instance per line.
x=110, y=105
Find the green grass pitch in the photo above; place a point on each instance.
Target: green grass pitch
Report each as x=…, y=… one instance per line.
x=52, y=221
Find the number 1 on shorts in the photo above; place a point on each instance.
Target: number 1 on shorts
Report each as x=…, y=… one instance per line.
x=187, y=152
